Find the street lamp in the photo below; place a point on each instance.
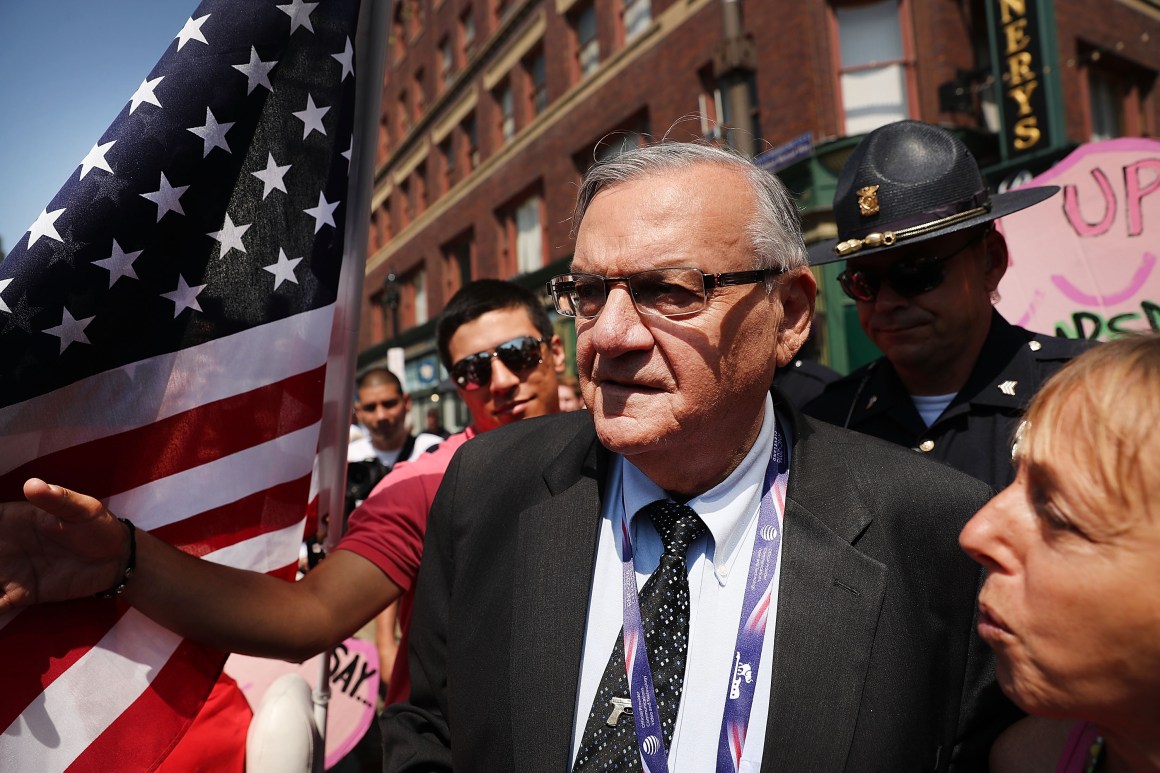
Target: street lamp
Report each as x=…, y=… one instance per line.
x=390, y=301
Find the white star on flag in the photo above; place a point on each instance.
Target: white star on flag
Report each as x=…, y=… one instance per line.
x=271, y=177
x=45, y=225
x=70, y=330
x=213, y=134
x=346, y=59
x=323, y=214
x=119, y=263
x=96, y=159
x=167, y=198
x=192, y=31
x=230, y=236
x=4, y=286
x=283, y=270
x=347, y=153
x=311, y=117
x=299, y=13
x=256, y=71
x=144, y=93
x=184, y=297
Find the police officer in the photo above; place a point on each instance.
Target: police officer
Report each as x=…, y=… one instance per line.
x=923, y=264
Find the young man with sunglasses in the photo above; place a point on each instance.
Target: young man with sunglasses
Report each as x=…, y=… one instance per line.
x=495, y=339
x=923, y=265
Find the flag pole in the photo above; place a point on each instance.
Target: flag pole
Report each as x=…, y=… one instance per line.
x=370, y=58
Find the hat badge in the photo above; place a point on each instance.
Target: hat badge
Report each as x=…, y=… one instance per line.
x=868, y=200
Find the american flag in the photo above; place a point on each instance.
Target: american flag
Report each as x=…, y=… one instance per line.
x=165, y=330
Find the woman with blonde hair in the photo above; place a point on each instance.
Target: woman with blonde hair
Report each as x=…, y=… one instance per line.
x=1071, y=604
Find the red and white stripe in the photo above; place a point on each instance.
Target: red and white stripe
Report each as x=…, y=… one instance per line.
x=210, y=448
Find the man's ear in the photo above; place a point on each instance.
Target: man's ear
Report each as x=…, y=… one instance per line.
x=557, y=347
x=997, y=259
x=797, y=290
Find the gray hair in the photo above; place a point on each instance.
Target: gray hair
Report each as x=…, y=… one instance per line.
x=775, y=233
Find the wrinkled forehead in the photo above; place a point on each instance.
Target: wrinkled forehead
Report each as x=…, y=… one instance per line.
x=696, y=217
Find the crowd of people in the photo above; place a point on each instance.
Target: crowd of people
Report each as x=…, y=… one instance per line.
x=666, y=563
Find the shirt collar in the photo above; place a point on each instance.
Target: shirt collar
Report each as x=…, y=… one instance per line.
x=729, y=507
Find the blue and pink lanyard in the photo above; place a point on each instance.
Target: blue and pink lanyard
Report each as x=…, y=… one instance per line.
x=750, y=632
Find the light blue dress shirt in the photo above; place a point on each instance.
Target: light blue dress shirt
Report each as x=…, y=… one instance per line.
x=718, y=565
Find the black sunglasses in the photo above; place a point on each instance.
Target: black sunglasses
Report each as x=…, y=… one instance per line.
x=517, y=355
x=908, y=278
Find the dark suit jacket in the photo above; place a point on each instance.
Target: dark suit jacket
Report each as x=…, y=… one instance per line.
x=876, y=662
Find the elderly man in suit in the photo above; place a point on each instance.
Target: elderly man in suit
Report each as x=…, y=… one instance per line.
x=691, y=575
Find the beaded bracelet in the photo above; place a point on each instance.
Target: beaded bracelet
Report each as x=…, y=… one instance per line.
x=130, y=567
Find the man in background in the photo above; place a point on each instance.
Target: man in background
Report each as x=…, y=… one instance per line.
x=382, y=409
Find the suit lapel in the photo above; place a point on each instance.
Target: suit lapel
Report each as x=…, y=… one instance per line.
x=557, y=551
x=829, y=599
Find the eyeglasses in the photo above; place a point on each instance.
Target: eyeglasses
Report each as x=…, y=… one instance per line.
x=663, y=292
x=908, y=278
x=517, y=355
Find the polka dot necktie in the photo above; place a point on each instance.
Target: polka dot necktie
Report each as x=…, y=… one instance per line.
x=664, y=612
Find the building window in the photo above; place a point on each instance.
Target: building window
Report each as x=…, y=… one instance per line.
x=418, y=286
x=587, y=41
x=874, y=71
x=506, y=101
x=420, y=189
x=537, y=69
x=413, y=15
x=404, y=111
x=467, y=34
x=446, y=62
x=1117, y=94
x=1106, y=100
x=397, y=41
x=406, y=208
x=529, y=236
x=457, y=263
x=470, y=139
x=637, y=17
x=420, y=96
x=612, y=144
x=384, y=146
x=522, y=235
x=447, y=154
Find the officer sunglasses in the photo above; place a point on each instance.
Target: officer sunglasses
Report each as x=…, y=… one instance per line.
x=662, y=292
x=518, y=355
x=908, y=278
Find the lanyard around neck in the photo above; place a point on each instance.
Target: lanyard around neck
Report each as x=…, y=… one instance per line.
x=750, y=633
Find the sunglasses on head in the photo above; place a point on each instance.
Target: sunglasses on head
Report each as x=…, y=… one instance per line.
x=518, y=355
x=907, y=278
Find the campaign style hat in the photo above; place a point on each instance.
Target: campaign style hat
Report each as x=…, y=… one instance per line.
x=907, y=182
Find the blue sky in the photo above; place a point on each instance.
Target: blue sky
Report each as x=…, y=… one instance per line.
x=67, y=67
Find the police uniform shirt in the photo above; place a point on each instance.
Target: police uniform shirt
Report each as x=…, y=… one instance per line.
x=974, y=434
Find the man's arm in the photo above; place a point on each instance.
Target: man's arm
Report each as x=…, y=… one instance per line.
x=385, y=641
x=417, y=733
x=64, y=545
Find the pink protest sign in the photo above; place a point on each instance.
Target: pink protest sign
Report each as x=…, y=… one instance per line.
x=354, y=689
x=1083, y=263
